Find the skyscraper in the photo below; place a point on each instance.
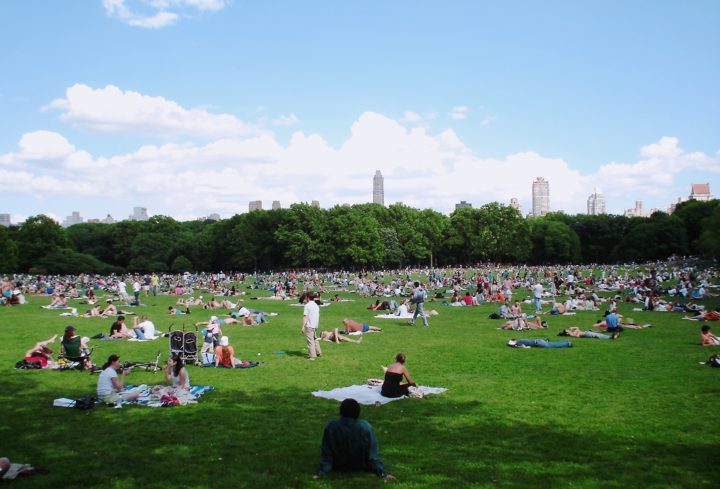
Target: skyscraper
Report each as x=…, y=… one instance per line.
x=5, y=220
x=72, y=219
x=596, y=203
x=515, y=204
x=139, y=214
x=378, y=189
x=540, y=197
x=463, y=205
x=255, y=205
x=276, y=205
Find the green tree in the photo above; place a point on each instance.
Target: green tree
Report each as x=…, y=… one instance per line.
x=392, y=251
x=554, y=242
x=709, y=241
x=692, y=213
x=181, y=264
x=8, y=252
x=38, y=236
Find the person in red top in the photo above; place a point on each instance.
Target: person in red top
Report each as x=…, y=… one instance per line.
x=225, y=354
x=467, y=299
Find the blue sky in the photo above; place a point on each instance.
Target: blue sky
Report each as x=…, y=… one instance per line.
x=190, y=107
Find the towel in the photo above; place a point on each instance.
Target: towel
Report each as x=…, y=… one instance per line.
x=367, y=394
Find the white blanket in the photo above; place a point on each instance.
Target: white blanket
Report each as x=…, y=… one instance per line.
x=393, y=316
x=367, y=394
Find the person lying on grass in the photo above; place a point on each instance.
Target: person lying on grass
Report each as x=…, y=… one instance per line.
x=335, y=337
x=41, y=352
x=707, y=338
x=355, y=327
x=707, y=316
x=110, y=386
x=576, y=332
x=538, y=344
x=522, y=323
x=349, y=444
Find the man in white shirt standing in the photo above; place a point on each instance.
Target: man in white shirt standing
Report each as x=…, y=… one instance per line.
x=136, y=291
x=122, y=292
x=537, y=294
x=311, y=321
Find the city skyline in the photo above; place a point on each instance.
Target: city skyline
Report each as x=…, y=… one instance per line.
x=169, y=108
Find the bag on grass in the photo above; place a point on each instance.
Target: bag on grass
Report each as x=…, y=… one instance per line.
x=84, y=402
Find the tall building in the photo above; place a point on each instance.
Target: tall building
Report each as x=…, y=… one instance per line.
x=700, y=191
x=108, y=220
x=515, y=204
x=139, y=214
x=276, y=204
x=637, y=211
x=463, y=205
x=315, y=203
x=72, y=219
x=596, y=203
x=540, y=197
x=5, y=220
x=255, y=205
x=378, y=189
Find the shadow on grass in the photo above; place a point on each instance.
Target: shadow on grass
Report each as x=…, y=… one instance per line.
x=271, y=438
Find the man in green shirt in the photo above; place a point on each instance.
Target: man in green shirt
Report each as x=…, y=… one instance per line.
x=349, y=444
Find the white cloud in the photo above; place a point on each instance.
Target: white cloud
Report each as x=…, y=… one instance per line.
x=459, y=113
x=421, y=168
x=155, y=14
x=487, y=120
x=111, y=109
x=286, y=120
x=410, y=116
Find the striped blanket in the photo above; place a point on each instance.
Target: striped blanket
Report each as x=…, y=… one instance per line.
x=150, y=395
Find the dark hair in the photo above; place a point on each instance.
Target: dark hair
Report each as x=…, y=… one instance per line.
x=121, y=318
x=705, y=328
x=400, y=358
x=417, y=284
x=68, y=333
x=111, y=359
x=179, y=364
x=350, y=408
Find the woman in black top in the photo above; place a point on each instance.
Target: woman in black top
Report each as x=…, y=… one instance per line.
x=394, y=375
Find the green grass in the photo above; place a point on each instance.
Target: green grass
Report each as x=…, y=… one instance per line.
x=634, y=413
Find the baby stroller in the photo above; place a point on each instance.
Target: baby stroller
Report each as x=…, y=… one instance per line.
x=184, y=344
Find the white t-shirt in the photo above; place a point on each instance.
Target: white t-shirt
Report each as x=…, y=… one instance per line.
x=105, y=385
x=136, y=286
x=148, y=329
x=537, y=290
x=312, y=311
x=243, y=311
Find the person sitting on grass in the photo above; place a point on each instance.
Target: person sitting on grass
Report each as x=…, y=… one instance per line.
x=73, y=348
x=176, y=373
x=95, y=312
x=110, y=309
x=41, y=353
x=119, y=329
x=349, y=444
x=355, y=327
x=707, y=338
x=394, y=375
x=225, y=354
x=172, y=311
x=109, y=386
x=144, y=328
x=336, y=337
x=58, y=302
x=576, y=332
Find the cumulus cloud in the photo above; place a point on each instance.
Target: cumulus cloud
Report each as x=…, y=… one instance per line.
x=155, y=14
x=459, y=113
x=286, y=120
x=111, y=109
x=422, y=168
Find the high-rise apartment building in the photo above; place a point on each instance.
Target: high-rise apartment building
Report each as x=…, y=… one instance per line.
x=315, y=203
x=139, y=214
x=515, y=204
x=108, y=220
x=596, y=203
x=72, y=219
x=540, y=197
x=638, y=211
x=378, y=189
x=5, y=220
x=255, y=205
x=276, y=205
x=463, y=205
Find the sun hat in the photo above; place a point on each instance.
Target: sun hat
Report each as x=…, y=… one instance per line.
x=224, y=341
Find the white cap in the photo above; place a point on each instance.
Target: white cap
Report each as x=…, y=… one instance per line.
x=213, y=318
x=224, y=341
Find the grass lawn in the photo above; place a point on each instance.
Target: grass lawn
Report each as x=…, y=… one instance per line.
x=639, y=412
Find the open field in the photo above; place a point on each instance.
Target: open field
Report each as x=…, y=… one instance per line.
x=639, y=412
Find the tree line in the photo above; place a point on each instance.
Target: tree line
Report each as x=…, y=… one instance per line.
x=358, y=236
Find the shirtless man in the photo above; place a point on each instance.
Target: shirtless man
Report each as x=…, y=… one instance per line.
x=355, y=327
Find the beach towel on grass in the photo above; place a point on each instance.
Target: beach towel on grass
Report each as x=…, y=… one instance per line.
x=393, y=316
x=368, y=394
x=151, y=395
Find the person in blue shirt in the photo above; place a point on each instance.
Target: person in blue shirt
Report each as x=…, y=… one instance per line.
x=349, y=444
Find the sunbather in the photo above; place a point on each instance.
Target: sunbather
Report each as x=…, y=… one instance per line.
x=355, y=327
x=41, y=352
x=707, y=338
x=576, y=332
x=522, y=323
x=336, y=337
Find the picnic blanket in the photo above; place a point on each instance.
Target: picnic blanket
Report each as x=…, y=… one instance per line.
x=393, y=316
x=369, y=394
x=151, y=395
